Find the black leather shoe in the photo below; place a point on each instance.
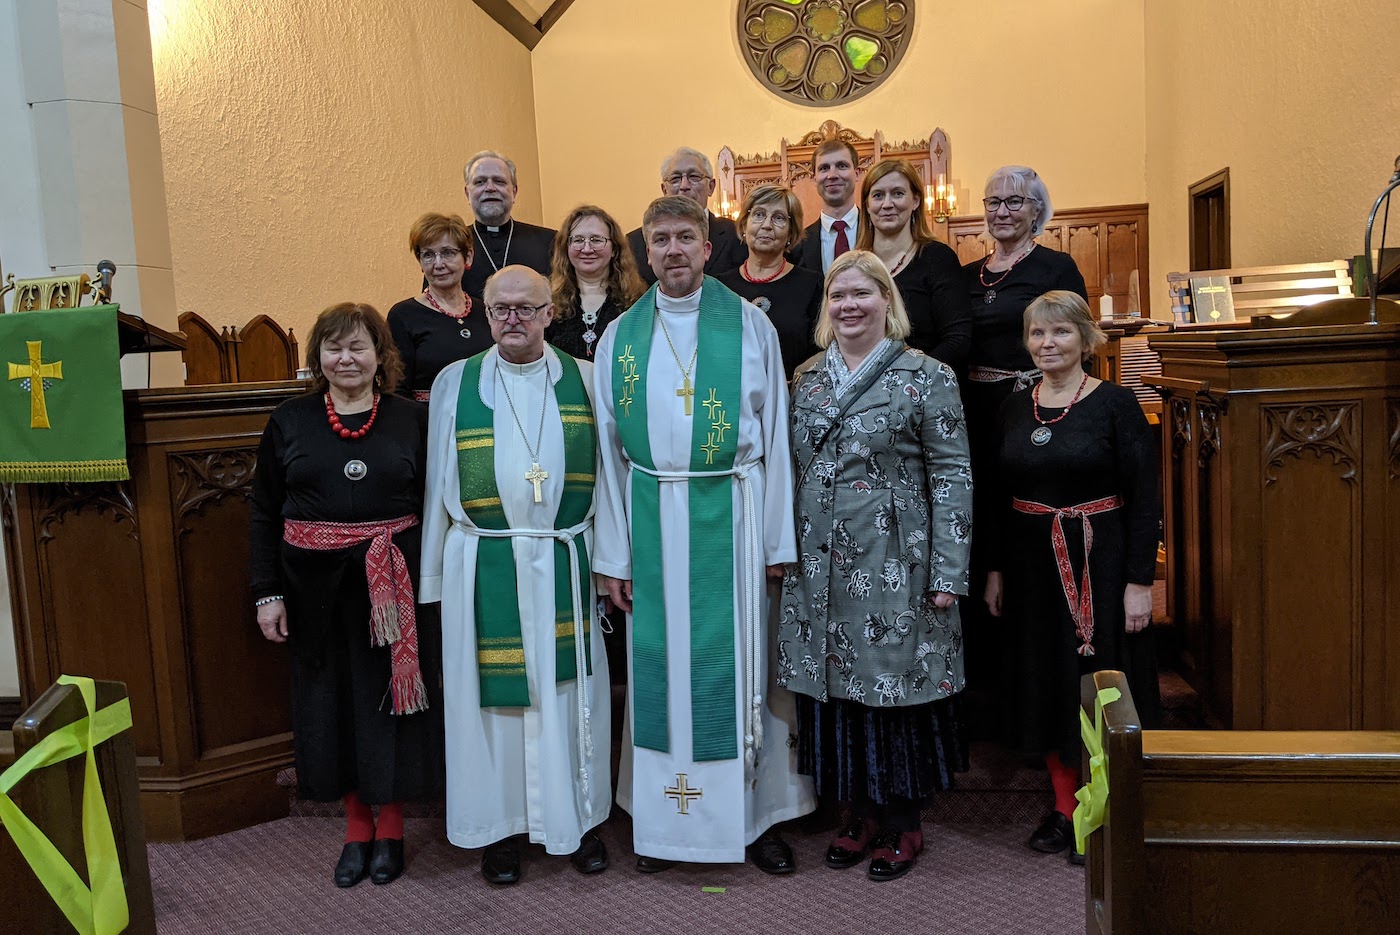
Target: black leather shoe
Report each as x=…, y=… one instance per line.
x=500, y=862
x=1076, y=858
x=386, y=860
x=850, y=845
x=591, y=856
x=1056, y=832
x=771, y=854
x=653, y=864
x=353, y=865
x=892, y=854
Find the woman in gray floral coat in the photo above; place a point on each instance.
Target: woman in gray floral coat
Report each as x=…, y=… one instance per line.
x=870, y=639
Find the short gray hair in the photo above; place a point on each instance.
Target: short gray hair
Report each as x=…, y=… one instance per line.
x=686, y=151
x=1022, y=180
x=676, y=206
x=489, y=154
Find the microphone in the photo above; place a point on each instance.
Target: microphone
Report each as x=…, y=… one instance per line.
x=106, y=269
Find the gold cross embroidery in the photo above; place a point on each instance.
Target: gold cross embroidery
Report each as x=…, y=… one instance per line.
x=682, y=793
x=626, y=358
x=36, y=372
x=710, y=449
x=712, y=403
x=721, y=426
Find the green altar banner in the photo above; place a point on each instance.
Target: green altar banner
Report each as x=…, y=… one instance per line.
x=61, y=400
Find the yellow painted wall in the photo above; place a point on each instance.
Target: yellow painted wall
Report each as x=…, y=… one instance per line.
x=301, y=138
x=1056, y=84
x=1300, y=100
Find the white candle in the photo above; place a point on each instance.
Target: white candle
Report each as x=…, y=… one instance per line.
x=1106, y=307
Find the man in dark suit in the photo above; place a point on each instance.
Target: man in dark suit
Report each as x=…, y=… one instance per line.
x=834, y=168
x=688, y=172
x=501, y=240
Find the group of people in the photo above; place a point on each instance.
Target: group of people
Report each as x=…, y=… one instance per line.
x=762, y=470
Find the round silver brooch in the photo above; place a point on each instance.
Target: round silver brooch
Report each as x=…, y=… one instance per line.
x=466, y=332
x=1040, y=436
x=763, y=303
x=356, y=470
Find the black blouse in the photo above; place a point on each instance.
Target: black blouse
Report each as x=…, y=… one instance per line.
x=567, y=333
x=998, y=325
x=428, y=341
x=791, y=304
x=931, y=284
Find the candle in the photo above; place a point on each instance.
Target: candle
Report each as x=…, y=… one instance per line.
x=1106, y=307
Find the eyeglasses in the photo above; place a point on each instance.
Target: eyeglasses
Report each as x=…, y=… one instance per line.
x=447, y=253
x=759, y=215
x=580, y=241
x=521, y=312
x=694, y=178
x=1014, y=203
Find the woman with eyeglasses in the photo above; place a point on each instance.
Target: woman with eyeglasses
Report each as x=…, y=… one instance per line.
x=770, y=224
x=437, y=326
x=593, y=278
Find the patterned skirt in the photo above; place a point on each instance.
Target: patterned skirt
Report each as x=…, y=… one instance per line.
x=856, y=753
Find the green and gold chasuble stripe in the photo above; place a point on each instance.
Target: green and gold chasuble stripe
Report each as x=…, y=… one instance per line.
x=714, y=442
x=500, y=649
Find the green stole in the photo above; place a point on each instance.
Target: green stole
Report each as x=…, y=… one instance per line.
x=500, y=650
x=714, y=442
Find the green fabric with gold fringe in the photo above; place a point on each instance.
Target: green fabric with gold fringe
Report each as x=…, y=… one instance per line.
x=61, y=400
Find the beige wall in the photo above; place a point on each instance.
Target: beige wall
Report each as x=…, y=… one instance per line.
x=302, y=137
x=1020, y=81
x=1301, y=103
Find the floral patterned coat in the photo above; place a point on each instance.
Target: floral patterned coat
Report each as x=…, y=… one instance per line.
x=884, y=521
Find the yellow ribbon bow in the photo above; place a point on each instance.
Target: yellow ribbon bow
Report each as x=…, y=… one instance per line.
x=1093, y=795
x=101, y=910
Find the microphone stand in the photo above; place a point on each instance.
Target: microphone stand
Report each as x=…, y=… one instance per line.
x=1374, y=274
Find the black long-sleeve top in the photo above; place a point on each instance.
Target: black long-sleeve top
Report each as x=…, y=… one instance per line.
x=931, y=284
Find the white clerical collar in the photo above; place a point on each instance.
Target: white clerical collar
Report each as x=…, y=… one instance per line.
x=851, y=217
x=684, y=304
x=495, y=363
x=532, y=369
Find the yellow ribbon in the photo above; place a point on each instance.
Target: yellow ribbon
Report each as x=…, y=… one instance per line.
x=102, y=909
x=1093, y=795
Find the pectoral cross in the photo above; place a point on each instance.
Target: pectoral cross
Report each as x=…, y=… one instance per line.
x=686, y=392
x=536, y=477
x=36, y=372
x=682, y=793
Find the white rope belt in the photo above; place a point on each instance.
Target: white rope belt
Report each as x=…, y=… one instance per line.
x=585, y=713
x=751, y=598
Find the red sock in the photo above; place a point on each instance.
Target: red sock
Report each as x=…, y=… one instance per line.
x=391, y=821
x=1066, y=781
x=360, y=818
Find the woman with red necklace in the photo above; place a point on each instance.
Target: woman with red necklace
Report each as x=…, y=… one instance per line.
x=1074, y=518
x=439, y=325
x=334, y=555
x=770, y=224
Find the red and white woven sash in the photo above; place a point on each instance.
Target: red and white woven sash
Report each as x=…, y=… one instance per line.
x=1080, y=599
x=393, y=621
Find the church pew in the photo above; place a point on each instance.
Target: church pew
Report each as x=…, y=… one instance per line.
x=52, y=798
x=1243, y=831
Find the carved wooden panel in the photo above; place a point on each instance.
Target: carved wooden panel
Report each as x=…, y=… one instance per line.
x=266, y=351
x=205, y=353
x=1323, y=431
x=226, y=653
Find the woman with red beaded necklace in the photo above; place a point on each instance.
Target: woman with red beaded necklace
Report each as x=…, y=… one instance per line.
x=770, y=224
x=1073, y=522
x=334, y=555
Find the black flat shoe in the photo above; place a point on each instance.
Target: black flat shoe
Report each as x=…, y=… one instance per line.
x=591, y=856
x=386, y=861
x=500, y=862
x=353, y=865
x=654, y=864
x=771, y=854
x=1056, y=832
x=1076, y=858
x=850, y=846
x=892, y=854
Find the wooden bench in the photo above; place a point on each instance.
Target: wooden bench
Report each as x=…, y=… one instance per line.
x=1267, y=290
x=52, y=798
x=1243, y=831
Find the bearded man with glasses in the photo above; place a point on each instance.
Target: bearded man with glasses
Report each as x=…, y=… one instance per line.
x=687, y=172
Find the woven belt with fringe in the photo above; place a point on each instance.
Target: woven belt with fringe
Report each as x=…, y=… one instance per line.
x=1081, y=599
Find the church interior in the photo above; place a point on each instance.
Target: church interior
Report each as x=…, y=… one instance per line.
x=247, y=164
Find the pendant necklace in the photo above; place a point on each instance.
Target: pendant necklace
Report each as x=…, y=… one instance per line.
x=991, y=295
x=1041, y=435
x=686, y=392
x=355, y=469
x=535, y=475
x=589, y=320
x=461, y=319
x=505, y=257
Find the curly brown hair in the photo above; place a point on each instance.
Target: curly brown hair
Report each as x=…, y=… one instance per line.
x=342, y=320
x=624, y=285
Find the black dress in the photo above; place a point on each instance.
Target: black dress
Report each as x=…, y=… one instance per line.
x=567, y=334
x=791, y=304
x=529, y=245
x=1103, y=447
x=345, y=739
x=428, y=341
x=932, y=288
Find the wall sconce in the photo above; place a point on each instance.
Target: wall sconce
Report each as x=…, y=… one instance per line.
x=940, y=200
x=727, y=209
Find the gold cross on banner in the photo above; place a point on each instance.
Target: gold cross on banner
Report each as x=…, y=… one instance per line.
x=686, y=392
x=682, y=793
x=36, y=372
x=712, y=402
x=536, y=477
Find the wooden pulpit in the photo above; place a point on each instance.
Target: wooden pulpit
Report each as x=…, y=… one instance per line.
x=1281, y=470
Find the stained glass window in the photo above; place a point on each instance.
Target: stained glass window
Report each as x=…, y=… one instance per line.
x=824, y=52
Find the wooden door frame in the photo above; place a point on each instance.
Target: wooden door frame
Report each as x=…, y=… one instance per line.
x=1216, y=180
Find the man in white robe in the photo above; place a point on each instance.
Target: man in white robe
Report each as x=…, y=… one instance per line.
x=700, y=786
x=537, y=762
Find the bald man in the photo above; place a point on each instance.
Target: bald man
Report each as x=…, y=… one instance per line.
x=507, y=534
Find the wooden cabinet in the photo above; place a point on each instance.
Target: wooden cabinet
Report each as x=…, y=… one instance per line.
x=146, y=582
x=1281, y=468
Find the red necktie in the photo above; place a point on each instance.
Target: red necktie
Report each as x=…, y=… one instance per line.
x=842, y=243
